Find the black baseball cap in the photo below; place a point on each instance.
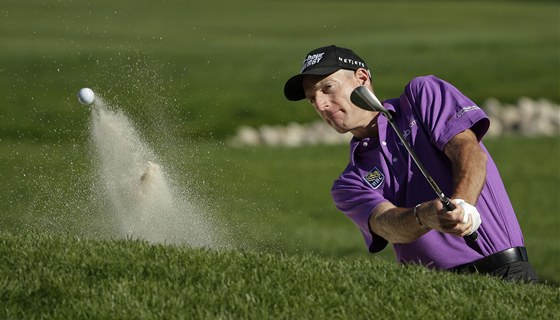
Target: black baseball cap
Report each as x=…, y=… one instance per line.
x=322, y=61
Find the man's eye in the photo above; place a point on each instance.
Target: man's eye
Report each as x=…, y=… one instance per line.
x=328, y=88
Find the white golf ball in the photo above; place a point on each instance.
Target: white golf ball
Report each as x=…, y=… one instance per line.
x=86, y=96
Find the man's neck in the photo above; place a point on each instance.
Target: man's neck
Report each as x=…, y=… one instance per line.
x=368, y=131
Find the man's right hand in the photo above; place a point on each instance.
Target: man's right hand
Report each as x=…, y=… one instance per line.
x=455, y=222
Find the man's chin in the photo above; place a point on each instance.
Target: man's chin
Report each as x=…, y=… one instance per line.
x=340, y=130
x=338, y=127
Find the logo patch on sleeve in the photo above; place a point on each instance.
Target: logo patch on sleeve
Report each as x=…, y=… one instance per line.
x=375, y=178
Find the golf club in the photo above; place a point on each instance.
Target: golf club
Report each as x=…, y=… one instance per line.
x=365, y=99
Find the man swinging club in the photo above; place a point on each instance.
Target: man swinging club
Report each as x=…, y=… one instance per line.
x=384, y=192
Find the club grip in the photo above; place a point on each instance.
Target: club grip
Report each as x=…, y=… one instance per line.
x=450, y=206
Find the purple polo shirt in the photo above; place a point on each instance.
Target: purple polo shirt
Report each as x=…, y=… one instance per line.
x=429, y=112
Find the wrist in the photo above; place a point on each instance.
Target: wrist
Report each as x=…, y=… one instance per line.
x=416, y=213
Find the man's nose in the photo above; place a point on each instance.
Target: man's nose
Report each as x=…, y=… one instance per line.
x=322, y=102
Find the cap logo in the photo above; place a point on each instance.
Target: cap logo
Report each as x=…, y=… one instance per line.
x=352, y=62
x=312, y=60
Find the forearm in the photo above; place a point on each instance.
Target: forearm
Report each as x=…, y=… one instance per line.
x=404, y=225
x=468, y=163
x=394, y=224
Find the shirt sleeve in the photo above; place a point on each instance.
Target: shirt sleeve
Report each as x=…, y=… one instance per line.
x=443, y=110
x=357, y=202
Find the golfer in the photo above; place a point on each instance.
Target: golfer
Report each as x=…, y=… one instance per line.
x=384, y=193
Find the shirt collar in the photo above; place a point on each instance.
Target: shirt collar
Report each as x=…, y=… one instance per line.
x=382, y=123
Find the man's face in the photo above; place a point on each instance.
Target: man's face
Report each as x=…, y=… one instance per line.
x=330, y=96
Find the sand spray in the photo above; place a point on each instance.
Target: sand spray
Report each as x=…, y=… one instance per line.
x=144, y=199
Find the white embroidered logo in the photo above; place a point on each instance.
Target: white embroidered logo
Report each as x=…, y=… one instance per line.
x=352, y=62
x=312, y=60
x=464, y=110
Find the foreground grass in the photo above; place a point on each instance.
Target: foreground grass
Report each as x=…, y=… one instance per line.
x=66, y=278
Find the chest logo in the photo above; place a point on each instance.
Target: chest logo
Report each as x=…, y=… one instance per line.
x=375, y=178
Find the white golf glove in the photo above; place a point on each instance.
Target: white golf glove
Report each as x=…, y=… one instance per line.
x=470, y=210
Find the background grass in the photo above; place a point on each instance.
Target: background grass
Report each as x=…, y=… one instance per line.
x=208, y=67
x=188, y=74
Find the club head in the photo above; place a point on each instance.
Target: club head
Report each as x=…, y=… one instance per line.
x=365, y=99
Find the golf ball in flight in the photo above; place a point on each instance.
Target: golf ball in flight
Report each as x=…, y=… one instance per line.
x=86, y=96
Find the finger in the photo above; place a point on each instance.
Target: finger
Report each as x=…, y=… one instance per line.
x=451, y=217
x=457, y=228
x=439, y=206
x=458, y=215
x=468, y=226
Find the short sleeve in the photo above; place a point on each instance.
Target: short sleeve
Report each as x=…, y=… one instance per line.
x=443, y=110
x=357, y=202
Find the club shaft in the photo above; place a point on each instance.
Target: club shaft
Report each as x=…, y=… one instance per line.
x=365, y=99
x=431, y=181
x=445, y=200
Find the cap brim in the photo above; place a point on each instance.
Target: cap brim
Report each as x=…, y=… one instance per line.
x=293, y=89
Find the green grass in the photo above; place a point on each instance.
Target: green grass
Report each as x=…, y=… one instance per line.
x=268, y=199
x=48, y=277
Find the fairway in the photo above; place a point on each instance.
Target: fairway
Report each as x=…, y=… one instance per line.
x=183, y=76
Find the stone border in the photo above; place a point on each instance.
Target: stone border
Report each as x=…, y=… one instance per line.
x=527, y=118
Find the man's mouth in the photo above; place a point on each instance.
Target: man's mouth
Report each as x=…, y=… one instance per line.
x=332, y=115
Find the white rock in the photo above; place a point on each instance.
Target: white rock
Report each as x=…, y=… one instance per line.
x=528, y=117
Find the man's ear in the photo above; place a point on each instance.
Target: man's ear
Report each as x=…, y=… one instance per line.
x=362, y=75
